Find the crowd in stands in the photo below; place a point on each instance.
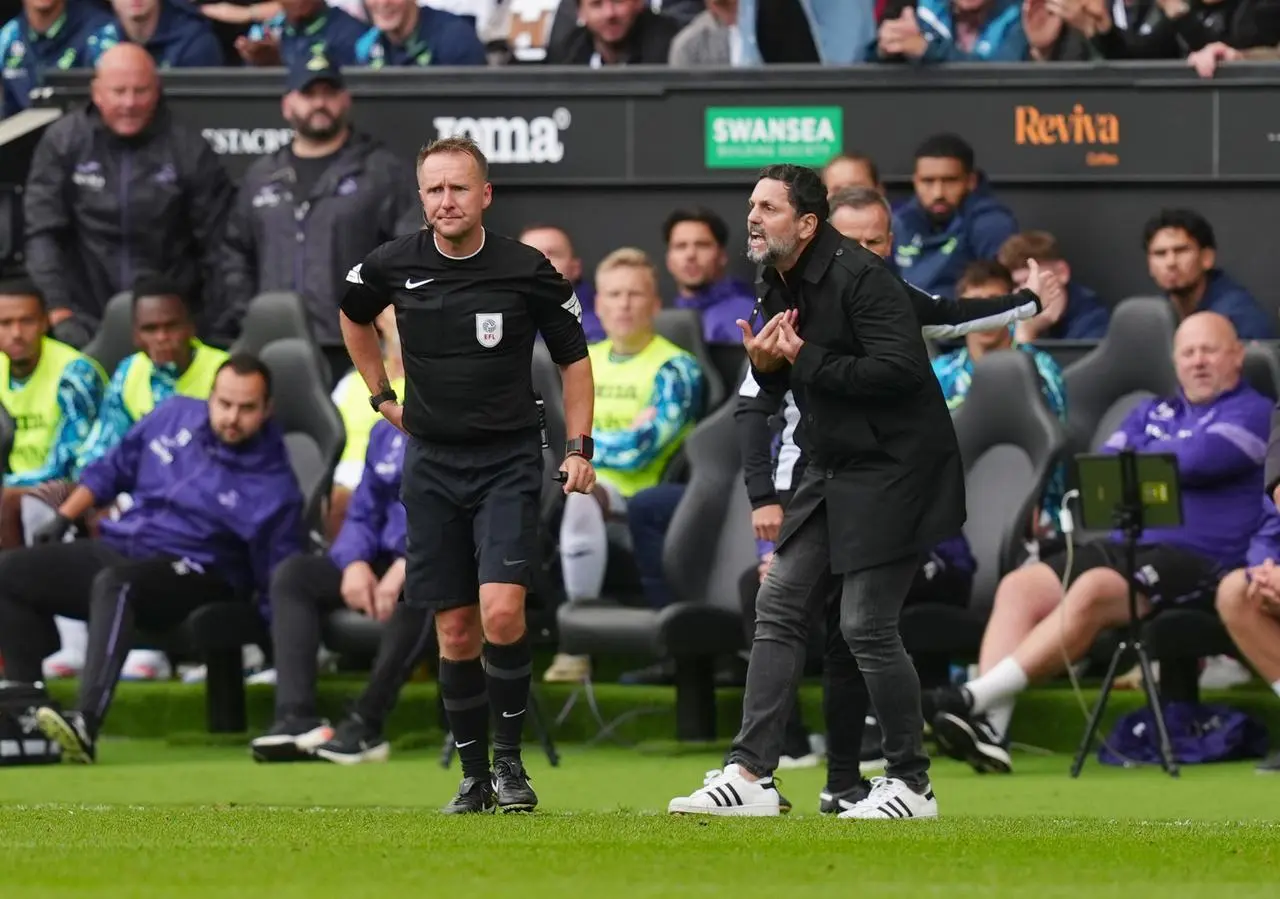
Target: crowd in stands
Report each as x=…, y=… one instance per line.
x=148, y=461
x=47, y=35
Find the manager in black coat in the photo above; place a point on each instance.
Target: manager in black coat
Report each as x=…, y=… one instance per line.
x=884, y=485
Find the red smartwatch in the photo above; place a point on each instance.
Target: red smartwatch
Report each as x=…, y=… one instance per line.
x=580, y=446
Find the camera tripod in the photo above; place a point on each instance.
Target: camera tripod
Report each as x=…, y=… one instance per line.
x=1128, y=516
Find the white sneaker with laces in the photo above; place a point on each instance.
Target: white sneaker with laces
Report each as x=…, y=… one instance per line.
x=891, y=798
x=728, y=793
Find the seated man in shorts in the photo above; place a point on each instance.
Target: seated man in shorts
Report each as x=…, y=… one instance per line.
x=1249, y=606
x=1217, y=426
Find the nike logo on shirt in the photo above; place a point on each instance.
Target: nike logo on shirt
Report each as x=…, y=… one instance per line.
x=410, y=284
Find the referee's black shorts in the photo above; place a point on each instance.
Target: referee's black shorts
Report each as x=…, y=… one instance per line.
x=471, y=518
x=1168, y=576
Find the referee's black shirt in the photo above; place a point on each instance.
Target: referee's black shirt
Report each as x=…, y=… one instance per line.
x=467, y=328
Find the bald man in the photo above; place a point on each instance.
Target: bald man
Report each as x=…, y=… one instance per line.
x=119, y=189
x=1217, y=427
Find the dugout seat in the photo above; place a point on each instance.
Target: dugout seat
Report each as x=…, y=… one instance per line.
x=1262, y=368
x=312, y=426
x=8, y=431
x=683, y=327
x=278, y=315
x=113, y=342
x=547, y=384
x=1133, y=362
x=1010, y=443
x=709, y=545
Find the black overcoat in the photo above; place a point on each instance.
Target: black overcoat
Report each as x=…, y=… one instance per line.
x=883, y=452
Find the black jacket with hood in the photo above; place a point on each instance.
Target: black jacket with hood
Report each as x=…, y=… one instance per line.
x=101, y=210
x=278, y=241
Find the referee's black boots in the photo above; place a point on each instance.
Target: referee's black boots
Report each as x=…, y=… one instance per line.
x=475, y=796
x=511, y=783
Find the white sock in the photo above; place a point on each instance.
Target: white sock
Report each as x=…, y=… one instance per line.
x=1276, y=687
x=584, y=547
x=1004, y=681
x=999, y=715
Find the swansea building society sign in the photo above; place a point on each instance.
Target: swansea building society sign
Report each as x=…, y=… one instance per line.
x=751, y=136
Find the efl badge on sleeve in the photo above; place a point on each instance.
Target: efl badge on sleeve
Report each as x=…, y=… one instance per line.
x=489, y=329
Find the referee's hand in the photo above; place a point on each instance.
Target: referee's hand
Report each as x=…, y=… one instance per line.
x=394, y=413
x=579, y=475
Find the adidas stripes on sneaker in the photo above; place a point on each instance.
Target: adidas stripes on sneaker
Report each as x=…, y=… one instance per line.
x=891, y=799
x=728, y=793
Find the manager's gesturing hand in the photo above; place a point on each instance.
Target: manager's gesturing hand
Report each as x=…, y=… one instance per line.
x=762, y=348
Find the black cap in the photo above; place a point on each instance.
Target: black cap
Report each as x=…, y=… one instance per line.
x=306, y=71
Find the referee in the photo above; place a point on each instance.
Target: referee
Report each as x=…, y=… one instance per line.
x=469, y=303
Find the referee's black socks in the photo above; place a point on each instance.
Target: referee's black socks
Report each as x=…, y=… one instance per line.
x=509, y=668
x=466, y=704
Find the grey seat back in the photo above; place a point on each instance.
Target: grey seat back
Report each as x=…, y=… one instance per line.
x=547, y=384
x=1133, y=361
x=8, y=432
x=313, y=428
x=1010, y=442
x=113, y=342
x=1262, y=368
x=683, y=327
x=710, y=541
x=278, y=315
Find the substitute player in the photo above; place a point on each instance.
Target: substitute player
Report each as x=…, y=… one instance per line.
x=469, y=304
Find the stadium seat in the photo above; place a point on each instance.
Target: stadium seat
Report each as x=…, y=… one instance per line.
x=348, y=632
x=277, y=315
x=114, y=341
x=1010, y=443
x=708, y=547
x=215, y=634
x=8, y=430
x=312, y=426
x=729, y=360
x=1262, y=368
x=1178, y=639
x=683, y=327
x=1132, y=363
x=547, y=384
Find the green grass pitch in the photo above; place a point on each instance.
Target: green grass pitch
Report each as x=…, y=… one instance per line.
x=185, y=822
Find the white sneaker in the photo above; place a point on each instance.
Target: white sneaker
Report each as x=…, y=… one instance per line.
x=891, y=798
x=812, y=759
x=63, y=664
x=146, y=664
x=727, y=792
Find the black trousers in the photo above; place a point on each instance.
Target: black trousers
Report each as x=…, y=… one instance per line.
x=302, y=589
x=89, y=581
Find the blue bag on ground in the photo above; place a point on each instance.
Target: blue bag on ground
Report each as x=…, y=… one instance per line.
x=1198, y=734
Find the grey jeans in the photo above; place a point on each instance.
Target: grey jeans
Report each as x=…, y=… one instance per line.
x=870, y=604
